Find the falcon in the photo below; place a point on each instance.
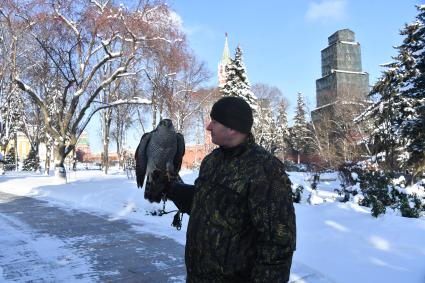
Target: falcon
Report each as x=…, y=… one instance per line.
x=159, y=156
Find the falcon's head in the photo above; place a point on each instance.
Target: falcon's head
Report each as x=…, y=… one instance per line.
x=165, y=124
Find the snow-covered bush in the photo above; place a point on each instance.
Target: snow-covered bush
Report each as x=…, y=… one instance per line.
x=378, y=206
x=296, y=195
x=378, y=190
x=291, y=166
x=349, y=180
x=10, y=160
x=411, y=199
x=410, y=206
x=349, y=173
x=32, y=163
x=376, y=184
x=130, y=167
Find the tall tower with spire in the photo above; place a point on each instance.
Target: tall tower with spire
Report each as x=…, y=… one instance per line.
x=225, y=59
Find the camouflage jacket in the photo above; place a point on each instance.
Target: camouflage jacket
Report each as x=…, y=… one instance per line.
x=242, y=220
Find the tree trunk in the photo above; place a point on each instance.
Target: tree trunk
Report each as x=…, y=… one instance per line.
x=16, y=152
x=106, y=128
x=154, y=111
x=48, y=157
x=105, y=157
x=119, y=152
x=74, y=160
x=60, y=171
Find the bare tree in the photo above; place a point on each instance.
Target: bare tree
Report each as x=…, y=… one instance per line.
x=271, y=93
x=108, y=94
x=161, y=67
x=80, y=38
x=11, y=107
x=122, y=120
x=184, y=102
x=337, y=138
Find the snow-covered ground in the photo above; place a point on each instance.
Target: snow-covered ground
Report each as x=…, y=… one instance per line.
x=340, y=242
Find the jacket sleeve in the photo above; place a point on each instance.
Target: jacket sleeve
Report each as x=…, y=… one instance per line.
x=273, y=216
x=182, y=196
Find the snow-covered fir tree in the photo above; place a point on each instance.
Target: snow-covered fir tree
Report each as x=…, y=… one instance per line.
x=265, y=133
x=32, y=162
x=398, y=114
x=300, y=132
x=384, y=117
x=237, y=83
x=282, y=131
x=11, y=111
x=412, y=56
x=10, y=160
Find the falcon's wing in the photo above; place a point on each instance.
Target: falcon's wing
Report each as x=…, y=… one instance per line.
x=142, y=158
x=178, y=158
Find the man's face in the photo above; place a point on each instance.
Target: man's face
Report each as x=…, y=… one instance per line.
x=220, y=134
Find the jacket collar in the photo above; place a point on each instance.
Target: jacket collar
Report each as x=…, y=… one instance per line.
x=239, y=149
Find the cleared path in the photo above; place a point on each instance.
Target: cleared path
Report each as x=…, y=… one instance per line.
x=49, y=244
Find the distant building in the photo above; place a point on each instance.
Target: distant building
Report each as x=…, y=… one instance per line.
x=193, y=156
x=23, y=146
x=82, y=148
x=342, y=90
x=343, y=79
x=225, y=60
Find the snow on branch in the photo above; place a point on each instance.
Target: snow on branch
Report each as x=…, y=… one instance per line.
x=133, y=100
x=164, y=39
x=101, y=86
x=68, y=22
x=110, y=54
x=24, y=87
x=118, y=71
x=151, y=10
x=96, y=67
x=101, y=7
x=126, y=74
x=184, y=90
x=143, y=38
x=95, y=50
x=31, y=92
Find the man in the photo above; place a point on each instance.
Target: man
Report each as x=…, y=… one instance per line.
x=242, y=221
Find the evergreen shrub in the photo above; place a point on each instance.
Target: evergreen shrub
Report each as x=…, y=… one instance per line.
x=32, y=163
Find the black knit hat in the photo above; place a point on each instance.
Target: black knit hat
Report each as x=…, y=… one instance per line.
x=233, y=112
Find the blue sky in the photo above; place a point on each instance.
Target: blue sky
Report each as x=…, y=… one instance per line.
x=282, y=39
